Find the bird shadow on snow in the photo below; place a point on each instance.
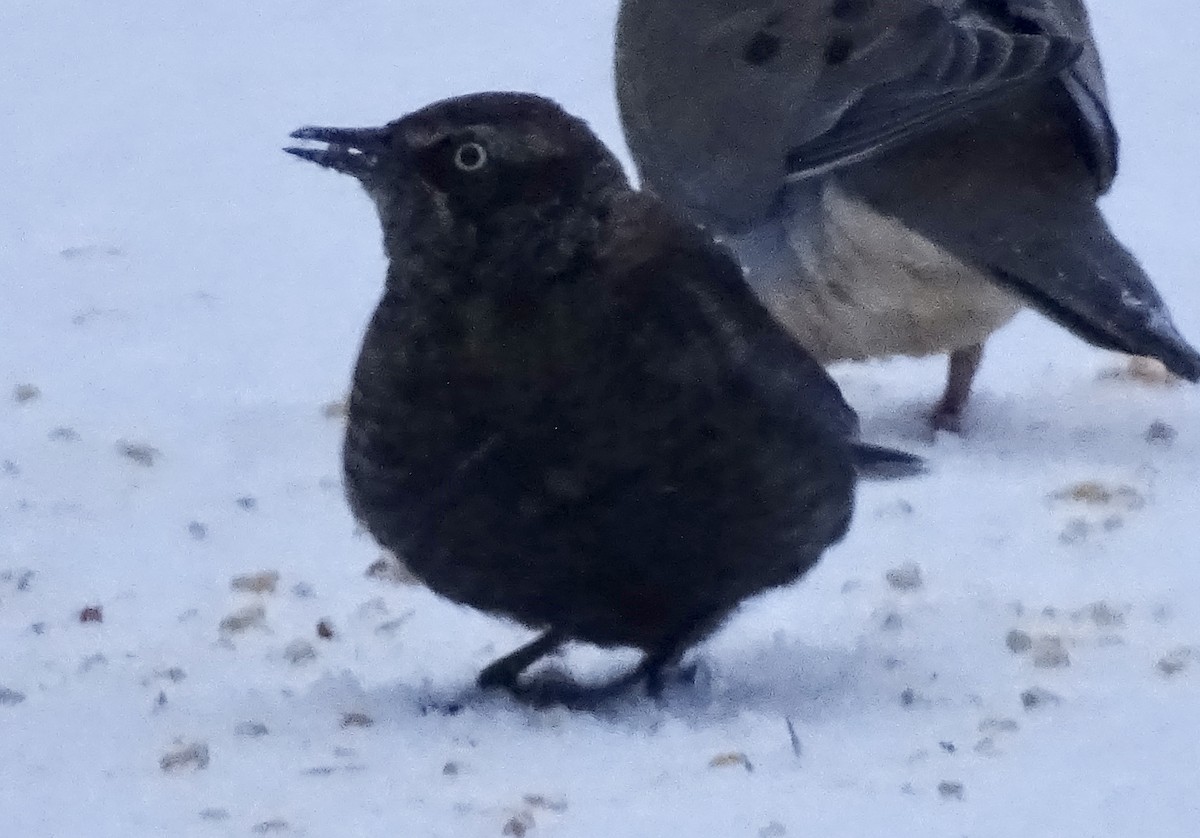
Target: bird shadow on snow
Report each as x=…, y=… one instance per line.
x=783, y=678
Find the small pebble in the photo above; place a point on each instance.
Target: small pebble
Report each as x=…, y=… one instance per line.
x=906, y=577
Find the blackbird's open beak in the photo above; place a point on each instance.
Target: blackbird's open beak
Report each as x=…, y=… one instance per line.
x=353, y=151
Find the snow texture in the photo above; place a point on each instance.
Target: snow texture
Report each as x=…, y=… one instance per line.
x=1009, y=646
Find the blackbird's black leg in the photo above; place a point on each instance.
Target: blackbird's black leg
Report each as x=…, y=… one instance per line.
x=504, y=672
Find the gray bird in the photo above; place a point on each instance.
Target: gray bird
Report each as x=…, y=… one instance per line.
x=895, y=176
x=569, y=409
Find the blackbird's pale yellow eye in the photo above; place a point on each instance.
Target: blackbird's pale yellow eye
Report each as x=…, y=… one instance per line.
x=470, y=157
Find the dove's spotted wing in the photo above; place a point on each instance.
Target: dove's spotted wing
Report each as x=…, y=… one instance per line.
x=723, y=101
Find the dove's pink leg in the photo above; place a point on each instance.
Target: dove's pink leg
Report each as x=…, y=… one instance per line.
x=964, y=363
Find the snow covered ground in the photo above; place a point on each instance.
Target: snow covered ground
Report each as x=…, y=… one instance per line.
x=179, y=304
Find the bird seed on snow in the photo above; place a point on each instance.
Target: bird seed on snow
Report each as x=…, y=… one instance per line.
x=906, y=577
x=263, y=582
x=190, y=755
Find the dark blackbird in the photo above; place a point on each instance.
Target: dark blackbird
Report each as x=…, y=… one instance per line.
x=569, y=408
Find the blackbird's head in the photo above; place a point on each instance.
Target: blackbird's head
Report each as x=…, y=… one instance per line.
x=469, y=159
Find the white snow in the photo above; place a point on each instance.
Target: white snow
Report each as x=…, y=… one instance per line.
x=186, y=299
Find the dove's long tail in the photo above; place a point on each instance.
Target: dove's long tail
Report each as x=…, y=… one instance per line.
x=1095, y=287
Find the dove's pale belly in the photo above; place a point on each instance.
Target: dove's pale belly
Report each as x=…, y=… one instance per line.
x=880, y=289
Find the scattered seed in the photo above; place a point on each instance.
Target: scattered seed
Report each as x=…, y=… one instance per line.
x=299, y=652
x=91, y=614
x=10, y=698
x=139, y=452
x=192, y=755
x=950, y=789
x=23, y=393
x=1160, y=433
x=1049, y=653
x=336, y=409
x=540, y=801
x=1037, y=698
x=244, y=618
x=388, y=568
x=325, y=629
x=1018, y=641
x=197, y=531
x=251, y=730
x=262, y=582
x=518, y=825
x=356, y=720
x=1104, y=615
x=1176, y=661
x=998, y=725
x=730, y=759
x=1146, y=371
x=906, y=577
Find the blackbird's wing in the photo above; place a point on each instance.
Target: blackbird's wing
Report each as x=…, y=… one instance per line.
x=692, y=293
